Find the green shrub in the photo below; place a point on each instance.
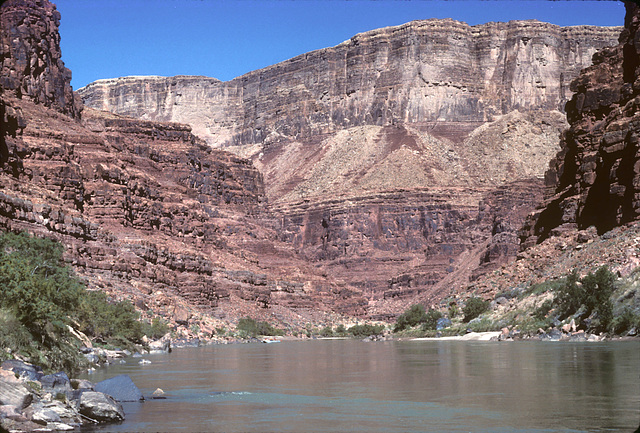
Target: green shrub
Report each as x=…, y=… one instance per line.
x=413, y=316
x=542, y=311
x=431, y=319
x=341, y=330
x=251, y=328
x=625, y=322
x=591, y=294
x=473, y=308
x=326, y=331
x=40, y=298
x=365, y=330
x=453, y=310
x=155, y=329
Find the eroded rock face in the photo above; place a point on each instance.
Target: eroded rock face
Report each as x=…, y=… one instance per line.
x=150, y=213
x=30, y=55
x=596, y=175
x=433, y=71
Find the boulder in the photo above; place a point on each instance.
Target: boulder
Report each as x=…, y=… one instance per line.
x=44, y=416
x=56, y=383
x=28, y=371
x=13, y=392
x=100, y=407
x=162, y=345
x=121, y=388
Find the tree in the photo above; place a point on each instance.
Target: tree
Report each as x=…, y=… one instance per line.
x=411, y=317
x=473, y=308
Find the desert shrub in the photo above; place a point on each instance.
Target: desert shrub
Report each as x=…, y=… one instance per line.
x=473, y=308
x=326, y=331
x=625, y=321
x=413, y=316
x=40, y=298
x=252, y=328
x=453, y=310
x=155, y=329
x=591, y=295
x=431, y=319
x=365, y=330
x=541, y=312
x=341, y=330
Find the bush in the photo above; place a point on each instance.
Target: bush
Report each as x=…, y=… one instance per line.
x=541, y=312
x=411, y=317
x=473, y=308
x=41, y=298
x=431, y=319
x=156, y=329
x=326, y=331
x=341, y=330
x=251, y=328
x=592, y=294
x=365, y=330
x=625, y=322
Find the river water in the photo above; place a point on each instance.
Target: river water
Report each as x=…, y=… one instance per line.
x=395, y=386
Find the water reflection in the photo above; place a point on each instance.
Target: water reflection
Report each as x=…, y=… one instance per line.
x=390, y=386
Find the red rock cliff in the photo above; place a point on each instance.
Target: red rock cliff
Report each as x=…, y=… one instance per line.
x=596, y=175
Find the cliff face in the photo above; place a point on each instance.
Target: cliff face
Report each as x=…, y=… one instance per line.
x=421, y=72
x=596, y=175
x=30, y=56
x=148, y=211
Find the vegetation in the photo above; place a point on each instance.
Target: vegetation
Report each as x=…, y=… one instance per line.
x=473, y=308
x=249, y=327
x=431, y=319
x=366, y=330
x=413, y=316
x=41, y=299
x=587, y=299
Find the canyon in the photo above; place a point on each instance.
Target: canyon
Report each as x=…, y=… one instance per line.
x=349, y=181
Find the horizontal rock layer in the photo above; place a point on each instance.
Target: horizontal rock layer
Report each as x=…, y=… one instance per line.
x=423, y=71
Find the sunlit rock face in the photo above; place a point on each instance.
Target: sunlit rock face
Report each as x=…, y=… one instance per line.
x=400, y=159
x=596, y=175
x=423, y=71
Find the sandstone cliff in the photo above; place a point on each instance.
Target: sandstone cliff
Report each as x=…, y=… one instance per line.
x=146, y=210
x=596, y=175
x=433, y=71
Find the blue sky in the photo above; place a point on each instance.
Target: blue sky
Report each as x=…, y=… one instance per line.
x=227, y=38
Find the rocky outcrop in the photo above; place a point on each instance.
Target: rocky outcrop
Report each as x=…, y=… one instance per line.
x=596, y=175
x=31, y=401
x=30, y=56
x=150, y=213
x=438, y=72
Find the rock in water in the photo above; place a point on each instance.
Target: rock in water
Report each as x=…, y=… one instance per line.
x=120, y=388
x=100, y=407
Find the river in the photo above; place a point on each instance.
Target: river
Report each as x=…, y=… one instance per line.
x=394, y=386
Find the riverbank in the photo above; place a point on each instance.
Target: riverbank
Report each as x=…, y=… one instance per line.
x=32, y=401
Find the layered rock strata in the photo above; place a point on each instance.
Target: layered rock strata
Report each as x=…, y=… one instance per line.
x=442, y=73
x=147, y=211
x=30, y=56
x=596, y=175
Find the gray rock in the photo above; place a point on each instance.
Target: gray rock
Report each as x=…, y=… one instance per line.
x=44, y=416
x=56, y=383
x=100, y=407
x=29, y=371
x=442, y=323
x=15, y=394
x=120, y=388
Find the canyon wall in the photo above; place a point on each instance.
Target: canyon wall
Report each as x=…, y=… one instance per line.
x=146, y=210
x=596, y=175
x=432, y=71
x=382, y=156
